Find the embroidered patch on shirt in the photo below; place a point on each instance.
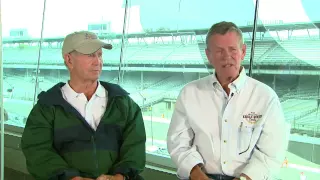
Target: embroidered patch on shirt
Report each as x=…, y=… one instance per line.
x=252, y=117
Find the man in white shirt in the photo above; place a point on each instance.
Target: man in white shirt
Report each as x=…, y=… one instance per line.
x=227, y=125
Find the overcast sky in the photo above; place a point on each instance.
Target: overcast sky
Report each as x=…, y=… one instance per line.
x=65, y=16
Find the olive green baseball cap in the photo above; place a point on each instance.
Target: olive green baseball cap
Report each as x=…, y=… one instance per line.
x=84, y=42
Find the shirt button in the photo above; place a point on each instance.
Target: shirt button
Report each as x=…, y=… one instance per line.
x=225, y=120
x=224, y=162
x=225, y=141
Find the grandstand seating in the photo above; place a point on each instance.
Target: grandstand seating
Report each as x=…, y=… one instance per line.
x=167, y=86
x=266, y=52
x=310, y=121
x=185, y=54
x=298, y=97
x=151, y=54
x=164, y=90
x=22, y=87
x=280, y=56
x=29, y=55
x=307, y=50
x=294, y=108
x=261, y=47
x=297, y=52
x=306, y=89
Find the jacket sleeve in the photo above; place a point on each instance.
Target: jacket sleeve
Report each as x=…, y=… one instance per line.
x=132, y=158
x=43, y=162
x=180, y=141
x=269, y=153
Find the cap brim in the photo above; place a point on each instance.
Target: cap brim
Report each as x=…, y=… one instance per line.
x=92, y=46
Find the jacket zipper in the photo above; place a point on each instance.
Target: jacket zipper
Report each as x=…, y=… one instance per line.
x=95, y=155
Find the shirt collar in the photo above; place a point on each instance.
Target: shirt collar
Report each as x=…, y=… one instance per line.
x=100, y=91
x=237, y=83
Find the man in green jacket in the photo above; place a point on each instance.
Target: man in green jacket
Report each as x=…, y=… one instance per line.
x=85, y=128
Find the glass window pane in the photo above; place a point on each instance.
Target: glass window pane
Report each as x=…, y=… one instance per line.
x=21, y=31
x=21, y=23
x=287, y=58
x=165, y=50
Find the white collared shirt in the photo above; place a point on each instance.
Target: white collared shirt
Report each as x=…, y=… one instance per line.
x=91, y=110
x=244, y=132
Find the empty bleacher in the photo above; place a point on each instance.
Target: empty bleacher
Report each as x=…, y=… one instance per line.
x=282, y=56
x=298, y=94
x=307, y=88
x=295, y=108
x=309, y=121
x=29, y=55
x=151, y=54
x=261, y=47
x=184, y=54
x=307, y=50
x=266, y=53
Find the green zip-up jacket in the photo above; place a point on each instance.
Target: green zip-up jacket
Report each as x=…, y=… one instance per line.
x=59, y=144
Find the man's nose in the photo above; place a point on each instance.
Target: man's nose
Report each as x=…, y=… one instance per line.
x=96, y=59
x=226, y=54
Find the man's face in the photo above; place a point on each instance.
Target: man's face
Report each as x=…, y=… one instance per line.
x=225, y=53
x=85, y=67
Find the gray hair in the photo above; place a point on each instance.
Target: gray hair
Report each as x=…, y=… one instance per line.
x=222, y=28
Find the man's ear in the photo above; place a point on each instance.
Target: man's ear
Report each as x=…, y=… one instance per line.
x=68, y=61
x=244, y=51
x=208, y=54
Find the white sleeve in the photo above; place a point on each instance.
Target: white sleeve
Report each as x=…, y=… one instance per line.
x=180, y=141
x=271, y=147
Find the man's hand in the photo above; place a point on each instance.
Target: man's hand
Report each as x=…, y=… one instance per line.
x=109, y=177
x=81, y=178
x=105, y=177
x=198, y=174
x=118, y=177
x=244, y=175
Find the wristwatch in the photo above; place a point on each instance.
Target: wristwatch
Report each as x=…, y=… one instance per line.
x=243, y=178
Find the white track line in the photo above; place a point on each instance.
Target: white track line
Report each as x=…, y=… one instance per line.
x=304, y=168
